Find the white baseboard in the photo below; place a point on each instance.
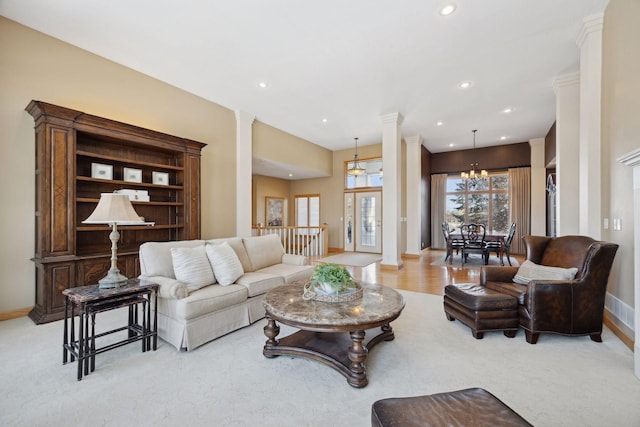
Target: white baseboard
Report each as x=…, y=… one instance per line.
x=621, y=311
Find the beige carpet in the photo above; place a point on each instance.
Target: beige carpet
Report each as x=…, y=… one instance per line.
x=560, y=381
x=474, y=260
x=356, y=259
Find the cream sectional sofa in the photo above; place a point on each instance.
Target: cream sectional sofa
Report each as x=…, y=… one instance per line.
x=190, y=313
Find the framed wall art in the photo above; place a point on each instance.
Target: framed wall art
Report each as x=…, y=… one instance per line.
x=102, y=171
x=160, y=178
x=132, y=175
x=274, y=211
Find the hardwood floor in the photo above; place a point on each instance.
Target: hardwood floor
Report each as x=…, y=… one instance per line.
x=419, y=275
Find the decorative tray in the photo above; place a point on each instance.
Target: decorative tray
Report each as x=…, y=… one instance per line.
x=312, y=292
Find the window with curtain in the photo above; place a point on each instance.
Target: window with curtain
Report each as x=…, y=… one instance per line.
x=307, y=211
x=487, y=202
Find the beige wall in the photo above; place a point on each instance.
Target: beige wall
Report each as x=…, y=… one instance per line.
x=620, y=134
x=36, y=66
x=281, y=147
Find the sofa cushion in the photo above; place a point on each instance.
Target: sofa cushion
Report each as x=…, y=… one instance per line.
x=290, y=273
x=155, y=257
x=258, y=283
x=191, y=266
x=203, y=301
x=238, y=247
x=225, y=263
x=530, y=271
x=264, y=251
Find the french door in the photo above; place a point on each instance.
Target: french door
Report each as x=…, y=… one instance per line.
x=363, y=222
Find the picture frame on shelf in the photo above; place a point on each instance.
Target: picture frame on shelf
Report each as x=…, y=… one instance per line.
x=274, y=211
x=101, y=171
x=160, y=178
x=132, y=175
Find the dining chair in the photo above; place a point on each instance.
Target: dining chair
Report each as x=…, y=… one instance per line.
x=473, y=236
x=450, y=242
x=498, y=246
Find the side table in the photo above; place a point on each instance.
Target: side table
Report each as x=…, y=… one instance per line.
x=86, y=301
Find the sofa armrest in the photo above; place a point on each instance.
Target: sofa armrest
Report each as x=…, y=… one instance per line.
x=497, y=274
x=294, y=259
x=169, y=288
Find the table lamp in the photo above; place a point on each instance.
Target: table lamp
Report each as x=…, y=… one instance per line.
x=114, y=209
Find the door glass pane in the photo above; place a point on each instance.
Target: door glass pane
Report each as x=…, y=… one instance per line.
x=368, y=221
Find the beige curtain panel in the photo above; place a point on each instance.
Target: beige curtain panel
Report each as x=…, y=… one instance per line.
x=520, y=205
x=438, y=208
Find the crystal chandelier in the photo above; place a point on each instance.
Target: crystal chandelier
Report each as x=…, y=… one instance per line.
x=473, y=176
x=356, y=169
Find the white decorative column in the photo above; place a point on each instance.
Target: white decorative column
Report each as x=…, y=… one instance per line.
x=632, y=159
x=567, y=90
x=589, y=42
x=414, y=180
x=391, y=139
x=244, y=139
x=538, y=188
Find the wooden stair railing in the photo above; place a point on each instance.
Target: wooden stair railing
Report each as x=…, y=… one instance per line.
x=310, y=241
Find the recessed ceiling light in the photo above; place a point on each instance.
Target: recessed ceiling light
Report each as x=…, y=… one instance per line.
x=464, y=85
x=448, y=9
x=507, y=110
x=324, y=120
x=439, y=124
x=263, y=85
x=503, y=138
x=451, y=145
x=290, y=174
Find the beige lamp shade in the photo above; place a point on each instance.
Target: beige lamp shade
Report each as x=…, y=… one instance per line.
x=114, y=209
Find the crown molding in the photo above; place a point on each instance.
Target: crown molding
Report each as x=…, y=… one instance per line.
x=564, y=80
x=632, y=158
x=590, y=24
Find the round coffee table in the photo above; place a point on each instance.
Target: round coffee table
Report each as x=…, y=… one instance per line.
x=336, y=334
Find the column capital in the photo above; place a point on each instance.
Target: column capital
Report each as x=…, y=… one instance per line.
x=243, y=116
x=564, y=80
x=630, y=159
x=392, y=118
x=590, y=24
x=416, y=139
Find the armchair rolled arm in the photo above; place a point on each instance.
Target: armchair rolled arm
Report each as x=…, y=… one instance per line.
x=497, y=274
x=169, y=288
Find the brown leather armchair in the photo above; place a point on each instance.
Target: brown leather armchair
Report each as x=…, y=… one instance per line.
x=566, y=307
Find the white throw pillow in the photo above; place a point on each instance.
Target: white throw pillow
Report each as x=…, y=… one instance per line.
x=225, y=263
x=191, y=266
x=531, y=271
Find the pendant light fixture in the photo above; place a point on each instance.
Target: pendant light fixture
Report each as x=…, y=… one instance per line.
x=356, y=169
x=474, y=176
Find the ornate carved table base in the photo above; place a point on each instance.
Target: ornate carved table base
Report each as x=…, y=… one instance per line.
x=339, y=335
x=345, y=352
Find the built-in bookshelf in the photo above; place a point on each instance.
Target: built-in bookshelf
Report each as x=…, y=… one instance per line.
x=78, y=157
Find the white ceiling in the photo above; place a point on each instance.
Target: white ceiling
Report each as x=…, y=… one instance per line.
x=347, y=61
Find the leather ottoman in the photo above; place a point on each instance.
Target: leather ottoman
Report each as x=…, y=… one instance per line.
x=471, y=407
x=481, y=309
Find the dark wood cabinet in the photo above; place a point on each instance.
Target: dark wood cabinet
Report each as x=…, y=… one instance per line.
x=69, y=144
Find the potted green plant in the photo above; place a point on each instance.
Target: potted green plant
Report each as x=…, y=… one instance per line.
x=332, y=278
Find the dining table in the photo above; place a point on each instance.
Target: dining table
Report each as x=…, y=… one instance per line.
x=490, y=236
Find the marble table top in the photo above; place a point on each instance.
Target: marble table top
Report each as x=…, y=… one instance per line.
x=82, y=294
x=378, y=304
